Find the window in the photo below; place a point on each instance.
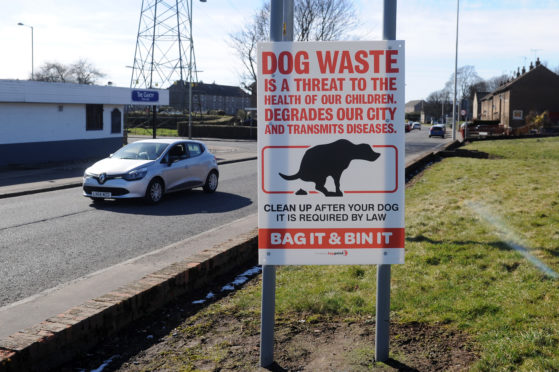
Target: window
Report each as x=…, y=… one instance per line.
x=116, y=121
x=93, y=117
x=177, y=152
x=194, y=149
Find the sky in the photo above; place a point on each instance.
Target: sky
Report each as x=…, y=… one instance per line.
x=496, y=37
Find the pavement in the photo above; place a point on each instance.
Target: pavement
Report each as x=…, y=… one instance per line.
x=30, y=179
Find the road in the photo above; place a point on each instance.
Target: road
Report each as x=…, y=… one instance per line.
x=55, y=237
x=418, y=141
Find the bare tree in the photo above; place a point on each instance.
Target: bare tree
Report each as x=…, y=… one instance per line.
x=466, y=77
x=245, y=42
x=53, y=72
x=317, y=20
x=81, y=72
x=496, y=82
x=314, y=20
x=84, y=72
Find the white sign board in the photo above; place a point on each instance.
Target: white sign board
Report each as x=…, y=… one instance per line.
x=331, y=153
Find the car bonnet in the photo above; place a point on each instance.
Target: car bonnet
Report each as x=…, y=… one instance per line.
x=114, y=166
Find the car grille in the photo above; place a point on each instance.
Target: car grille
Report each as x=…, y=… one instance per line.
x=115, y=191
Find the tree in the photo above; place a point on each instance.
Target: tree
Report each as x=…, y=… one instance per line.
x=495, y=82
x=80, y=72
x=466, y=78
x=245, y=43
x=314, y=20
x=84, y=72
x=53, y=72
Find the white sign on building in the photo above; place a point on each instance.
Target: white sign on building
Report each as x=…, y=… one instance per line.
x=331, y=153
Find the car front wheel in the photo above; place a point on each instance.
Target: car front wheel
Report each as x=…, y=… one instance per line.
x=154, y=192
x=211, y=182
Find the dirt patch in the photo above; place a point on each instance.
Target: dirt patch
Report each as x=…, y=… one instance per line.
x=187, y=337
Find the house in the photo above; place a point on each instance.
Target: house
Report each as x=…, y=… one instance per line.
x=414, y=110
x=44, y=122
x=206, y=97
x=414, y=107
x=530, y=92
x=476, y=104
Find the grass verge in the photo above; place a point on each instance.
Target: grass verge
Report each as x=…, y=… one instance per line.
x=482, y=247
x=148, y=132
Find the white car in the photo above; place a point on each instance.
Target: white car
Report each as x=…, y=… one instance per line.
x=151, y=168
x=416, y=125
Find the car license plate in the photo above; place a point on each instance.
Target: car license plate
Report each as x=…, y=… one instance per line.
x=100, y=194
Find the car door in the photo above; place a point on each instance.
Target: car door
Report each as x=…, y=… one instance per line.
x=198, y=168
x=175, y=171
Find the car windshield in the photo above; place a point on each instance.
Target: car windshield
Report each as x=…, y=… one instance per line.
x=142, y=151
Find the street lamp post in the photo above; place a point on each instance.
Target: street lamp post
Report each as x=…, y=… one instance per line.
x=455, y=73
x=32, y=63
x=190, y=71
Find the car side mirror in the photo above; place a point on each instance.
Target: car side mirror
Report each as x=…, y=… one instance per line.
x=165, y=160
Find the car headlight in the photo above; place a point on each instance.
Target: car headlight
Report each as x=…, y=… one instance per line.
x=88, y=174
x=135, y=174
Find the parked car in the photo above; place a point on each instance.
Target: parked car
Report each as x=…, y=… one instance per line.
x=407, y=127
x=151, y=168
x=416, y=125
x=437, y=130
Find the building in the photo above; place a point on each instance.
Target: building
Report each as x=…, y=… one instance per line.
x=414, y=107
x=206, y=97
x=476, y=104
x=44, y=122
x=414, y=110
x=530, y=92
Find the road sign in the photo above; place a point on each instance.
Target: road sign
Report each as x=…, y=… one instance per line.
x=145, y=96
x=331, y=152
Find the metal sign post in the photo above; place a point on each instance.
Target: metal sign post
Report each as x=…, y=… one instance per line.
x=280, y=12
x=383, y=271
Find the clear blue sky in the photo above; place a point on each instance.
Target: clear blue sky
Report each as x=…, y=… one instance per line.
x=495, y=36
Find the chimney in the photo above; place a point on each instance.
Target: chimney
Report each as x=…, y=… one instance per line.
x=531, y=66
x=538, y=61
x=523, y=70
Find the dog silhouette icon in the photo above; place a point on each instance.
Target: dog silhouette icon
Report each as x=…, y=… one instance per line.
x=330, y=160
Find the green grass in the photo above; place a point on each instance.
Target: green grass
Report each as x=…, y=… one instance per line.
x=462, y=218
x=148, y=132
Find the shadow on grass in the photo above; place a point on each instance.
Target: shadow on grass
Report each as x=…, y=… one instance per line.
x=275, y=367
x=399, y=366
x=502, y=246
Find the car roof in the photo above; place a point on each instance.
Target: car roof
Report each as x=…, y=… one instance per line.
x=168, y=141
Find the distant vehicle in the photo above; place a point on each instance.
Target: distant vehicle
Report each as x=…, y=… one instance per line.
x=416, y=125
x=151, y=168
x=408, y=127
x=437, y=130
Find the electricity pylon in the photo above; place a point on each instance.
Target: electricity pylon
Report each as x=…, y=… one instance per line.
x=164, y=45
